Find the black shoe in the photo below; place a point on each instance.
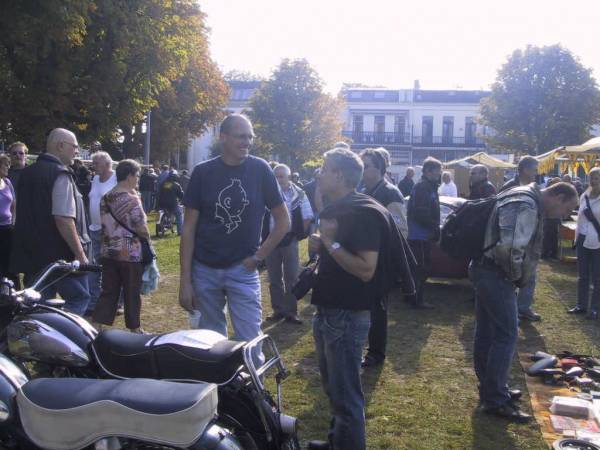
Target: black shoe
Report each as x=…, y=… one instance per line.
x=530, y=315
x=274, y=317
x=510, y=412
x=293, y=319
x=424, y=305
x=577, y=310
x=318, y=445
x=371, y=361
x=515, y=394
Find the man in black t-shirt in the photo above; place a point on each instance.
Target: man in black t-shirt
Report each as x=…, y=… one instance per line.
x=375, y=161
x=344, y=292
x=219, y=252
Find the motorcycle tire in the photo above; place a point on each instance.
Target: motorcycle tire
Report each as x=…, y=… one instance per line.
x=574, y=444
x=291, y=444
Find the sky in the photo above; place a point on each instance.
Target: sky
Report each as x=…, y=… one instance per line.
x=443, y=44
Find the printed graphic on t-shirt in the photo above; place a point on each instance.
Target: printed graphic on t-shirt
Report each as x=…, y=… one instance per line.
x=231, y=202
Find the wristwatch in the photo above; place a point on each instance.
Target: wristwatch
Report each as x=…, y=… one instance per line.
x=334, y=246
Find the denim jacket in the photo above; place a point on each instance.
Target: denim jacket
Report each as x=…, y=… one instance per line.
x=514, y=233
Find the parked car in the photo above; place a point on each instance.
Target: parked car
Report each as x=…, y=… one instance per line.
x=443, y=265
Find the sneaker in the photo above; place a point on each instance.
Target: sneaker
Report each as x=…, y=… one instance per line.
x=120, y=310
x=577, y=310
x=510, y=412
x=530, y=315
x=318, y=445
x=370, y=361
x=293, y=319
x=274, y=317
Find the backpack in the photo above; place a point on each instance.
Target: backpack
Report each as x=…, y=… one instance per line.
x=463, y=233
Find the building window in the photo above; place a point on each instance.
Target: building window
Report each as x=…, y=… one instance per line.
x=355, y=94
x=427, y=129
x=379, y=94
x=357, y=128
x=379, y=124
x=470, y=130
x=447, y=129
x=399, y=125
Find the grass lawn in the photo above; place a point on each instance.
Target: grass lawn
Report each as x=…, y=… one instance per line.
x=424, y=396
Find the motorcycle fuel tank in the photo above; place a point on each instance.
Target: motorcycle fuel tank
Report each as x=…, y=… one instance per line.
x=32, y=339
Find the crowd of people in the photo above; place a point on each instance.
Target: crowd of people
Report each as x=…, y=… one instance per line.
x=367, y=235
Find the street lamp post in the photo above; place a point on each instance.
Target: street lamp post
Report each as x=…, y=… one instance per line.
x=147, y=144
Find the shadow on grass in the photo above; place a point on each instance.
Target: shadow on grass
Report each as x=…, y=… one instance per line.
x=410, y=328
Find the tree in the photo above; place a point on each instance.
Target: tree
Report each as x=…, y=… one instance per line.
x=98, y=66
x=542, y=98
x=293, y=118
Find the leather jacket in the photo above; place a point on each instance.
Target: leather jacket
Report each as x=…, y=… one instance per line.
x=514, y=233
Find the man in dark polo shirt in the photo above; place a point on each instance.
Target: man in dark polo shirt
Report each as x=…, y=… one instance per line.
x=375, y=161
x=349, y=246
x=219, y=250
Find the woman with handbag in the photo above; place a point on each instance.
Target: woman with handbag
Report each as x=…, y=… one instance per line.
x=126, y=248
x=587, y=238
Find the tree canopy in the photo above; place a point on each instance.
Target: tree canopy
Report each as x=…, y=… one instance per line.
x=293, y=118
x=98, y=66
x=543, y=98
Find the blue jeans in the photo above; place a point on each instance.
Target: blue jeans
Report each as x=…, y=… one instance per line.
x=95, y=278
x=340, y=336
x=74, y=290
x=179, y=218
x=147, y=201
x=525, y=295
x=241, y=288
x=496, y=333
x=588, y=270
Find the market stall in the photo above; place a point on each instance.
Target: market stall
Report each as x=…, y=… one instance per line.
x=569, y=158
x=462, y=167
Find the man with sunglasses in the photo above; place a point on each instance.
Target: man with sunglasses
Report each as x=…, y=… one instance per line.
x=51, y=223
x=220, y=248
x=18, y=159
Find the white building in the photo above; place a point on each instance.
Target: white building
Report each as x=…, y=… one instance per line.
x=414, y=123
x=410, y=123
x=199, y=149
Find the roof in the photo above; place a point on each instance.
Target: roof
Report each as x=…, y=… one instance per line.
x=481, y=158
x=449, y=96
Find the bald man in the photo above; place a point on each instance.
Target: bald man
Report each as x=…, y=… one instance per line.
x=51, y=222
x=479, y=186
x=220, y=247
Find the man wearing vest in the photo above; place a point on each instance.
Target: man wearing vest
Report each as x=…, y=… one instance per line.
x=285, y=257
x=514, y=238
x=51, y=222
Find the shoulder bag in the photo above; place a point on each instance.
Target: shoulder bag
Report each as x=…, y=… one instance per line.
x=587, y=212
x=148, y=254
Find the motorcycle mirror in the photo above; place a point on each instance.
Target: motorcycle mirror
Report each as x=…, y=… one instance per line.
x=54, y=302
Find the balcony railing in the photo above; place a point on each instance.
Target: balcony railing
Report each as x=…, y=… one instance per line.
x=374, y=138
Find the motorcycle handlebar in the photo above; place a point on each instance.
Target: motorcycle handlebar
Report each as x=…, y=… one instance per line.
x=89, y=268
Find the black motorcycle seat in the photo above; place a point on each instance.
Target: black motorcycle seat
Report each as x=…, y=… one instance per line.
x=68, y=413
x=201, y=355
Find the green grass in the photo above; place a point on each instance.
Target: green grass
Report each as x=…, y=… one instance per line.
x=424, y=396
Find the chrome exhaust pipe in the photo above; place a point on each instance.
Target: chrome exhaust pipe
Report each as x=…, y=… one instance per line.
x=288, y=424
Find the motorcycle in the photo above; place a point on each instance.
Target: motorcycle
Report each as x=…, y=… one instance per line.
x=75, y=413
x=165, y=221
x=59, y=344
